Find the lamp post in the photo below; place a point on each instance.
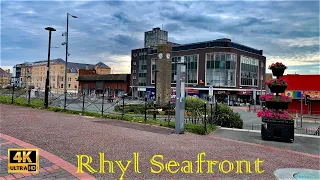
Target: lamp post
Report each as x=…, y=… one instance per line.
x=67, y=54
x=50, y=29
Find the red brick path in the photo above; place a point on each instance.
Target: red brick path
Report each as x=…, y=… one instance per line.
x=59, y=169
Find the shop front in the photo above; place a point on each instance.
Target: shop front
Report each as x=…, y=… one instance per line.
x=243, y=97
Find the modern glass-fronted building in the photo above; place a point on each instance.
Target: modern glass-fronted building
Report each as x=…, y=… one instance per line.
x=232, y=69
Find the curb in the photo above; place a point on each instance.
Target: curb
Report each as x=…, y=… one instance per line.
x=72, y=169
x=257, y=131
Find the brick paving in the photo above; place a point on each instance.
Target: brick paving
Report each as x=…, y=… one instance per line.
x=47, y=168
x=67, y=135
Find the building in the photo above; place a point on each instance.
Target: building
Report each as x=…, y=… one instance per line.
x=232, y=69
x=268, y=78
x=306, y=85
x=114, y=85
x=5, y=77
x=154, y=37
x=34, y=74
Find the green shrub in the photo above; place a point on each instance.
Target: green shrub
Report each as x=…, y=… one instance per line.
x=228, y=118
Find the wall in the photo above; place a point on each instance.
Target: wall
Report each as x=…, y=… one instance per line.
x=113, y=85
x=103, y=70
x=302, y=82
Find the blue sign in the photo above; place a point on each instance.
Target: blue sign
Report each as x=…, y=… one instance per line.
x=150, y=92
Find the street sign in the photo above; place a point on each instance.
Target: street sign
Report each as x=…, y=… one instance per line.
x=210, y=91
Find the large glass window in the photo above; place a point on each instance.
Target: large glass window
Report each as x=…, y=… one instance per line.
x=191, y=62
x=221, y=69
x=249, y=71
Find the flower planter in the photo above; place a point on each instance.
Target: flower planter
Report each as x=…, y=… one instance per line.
x=275, y=129
x=277, y=72
x=277, y=105
x=277, y=89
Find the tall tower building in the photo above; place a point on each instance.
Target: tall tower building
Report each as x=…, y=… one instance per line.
x=155, y=37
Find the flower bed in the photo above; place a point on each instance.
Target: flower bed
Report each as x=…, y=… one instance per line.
x=272, y=114
x=276, y=123
x=277, y=68
x=273, y=98
x=277, y=85
x=277, y=65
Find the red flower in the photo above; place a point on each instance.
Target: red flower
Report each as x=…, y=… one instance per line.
x=276, y=82
x=277, y=65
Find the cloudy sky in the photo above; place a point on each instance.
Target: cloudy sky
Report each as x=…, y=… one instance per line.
x=106, y=31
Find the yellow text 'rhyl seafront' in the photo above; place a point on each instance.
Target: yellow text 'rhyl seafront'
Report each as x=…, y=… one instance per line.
x=158, y=165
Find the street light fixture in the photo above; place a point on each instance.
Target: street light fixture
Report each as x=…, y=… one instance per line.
x=50, y=29
x=67, y=54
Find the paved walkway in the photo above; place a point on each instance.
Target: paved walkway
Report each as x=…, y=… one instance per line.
x=66, y=136
x=51, y=166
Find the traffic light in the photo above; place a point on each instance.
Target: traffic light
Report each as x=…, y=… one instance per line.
x=306, y=99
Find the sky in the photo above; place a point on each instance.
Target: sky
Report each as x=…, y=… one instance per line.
x=107, y=31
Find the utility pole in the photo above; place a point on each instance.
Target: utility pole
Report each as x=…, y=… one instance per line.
x=50, y=29
x=66, y=65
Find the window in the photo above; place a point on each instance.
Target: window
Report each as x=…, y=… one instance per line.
x=191, y=62
x=61, y=86
x=75, y=86
x=69, y=85
x=133, y=77
x=134, y=63
x=69, y=79
x=134, y=71
x=249, y=71
x=221, y=69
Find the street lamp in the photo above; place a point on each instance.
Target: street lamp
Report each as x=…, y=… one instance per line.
x=50, y=29
x=67, y=54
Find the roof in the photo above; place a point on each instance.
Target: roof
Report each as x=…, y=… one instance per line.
x=102, y=65
x=52, y=61
x=3, y=73
x=74, y=66
x=103, y=77
x=305, y=82
x=71, y=65
x=224, y=42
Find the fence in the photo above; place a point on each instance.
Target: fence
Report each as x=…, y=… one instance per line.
x=144, y=109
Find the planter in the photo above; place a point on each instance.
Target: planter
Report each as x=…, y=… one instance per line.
x=274, y=129
x=277, y=89
x=277, y=105
x=277, y=72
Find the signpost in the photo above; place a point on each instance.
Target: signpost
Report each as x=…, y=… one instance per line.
x=301, y=108
x=254, y=99
x=180, y=98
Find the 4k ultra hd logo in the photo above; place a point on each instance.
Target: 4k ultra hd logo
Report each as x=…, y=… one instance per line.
x=23, y=160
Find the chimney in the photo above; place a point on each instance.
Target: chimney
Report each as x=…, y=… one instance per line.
x=8, y=71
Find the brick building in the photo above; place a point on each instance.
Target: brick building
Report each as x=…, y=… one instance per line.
x=232, y=69
x=34, y=74
x=110, y=84
x=5, y=77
